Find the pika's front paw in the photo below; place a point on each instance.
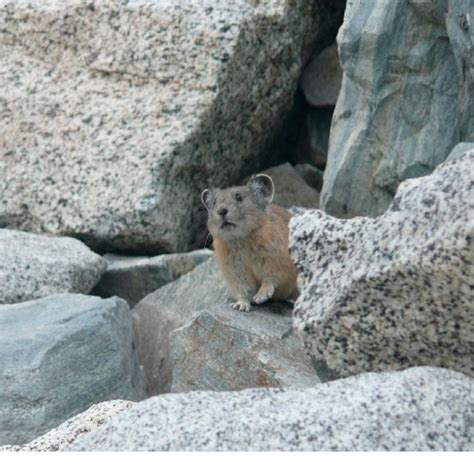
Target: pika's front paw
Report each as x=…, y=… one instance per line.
x=241, y=306
x=264, y=294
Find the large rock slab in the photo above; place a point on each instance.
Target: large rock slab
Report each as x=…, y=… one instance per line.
x=406, y=99
x=396, y=291
x=115, y=115
x=224, y=349
x=133, y=278
x=421, y=409
x=58, y=356
x=168, y=308
x=65, y=434
x=33, y=266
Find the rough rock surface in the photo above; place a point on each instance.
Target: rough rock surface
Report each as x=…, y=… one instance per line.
x=61, y=437
x=168, y=308
x=396, y=291
x=322, y=77
x=58, y=356
x=33, y=266
x=224, y=349
x=290, y=188
x=312, y=175
x=406, y=99
x=115, y=115
x=420, y=409
x=133, y=278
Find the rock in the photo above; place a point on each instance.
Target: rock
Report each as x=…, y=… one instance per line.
x=115, y=115
x=133, y=278
x=404, y=103
x=312, y=175
x=322, y=77
x=224, y=349
x=168, y=308
x=313, y=141
x=420, y=409
x=58, y=356
x=396, y=291
x=61, y=437
x=290, y=188
x=33, y=266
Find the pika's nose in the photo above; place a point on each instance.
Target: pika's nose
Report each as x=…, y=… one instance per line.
x=222, y=211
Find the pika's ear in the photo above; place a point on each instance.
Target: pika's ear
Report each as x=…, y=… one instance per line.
x=207, y=198
x=262, y=186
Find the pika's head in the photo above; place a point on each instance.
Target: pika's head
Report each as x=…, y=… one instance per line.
x=237, y=211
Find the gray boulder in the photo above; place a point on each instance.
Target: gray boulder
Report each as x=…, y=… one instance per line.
x=290, y=188
x=421, y=409
x=33, y=266
x=133, y=278
x=58, y=356
x=115, y=115
x=168, y=308
x=312, y=175
x=224, y=349
x=396, y=291
x=61, y=437
x=322, y=77
x=406, y=99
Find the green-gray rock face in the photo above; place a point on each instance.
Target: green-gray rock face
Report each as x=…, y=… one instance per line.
x=224, y=349
x=404, y=101
x=58, y=356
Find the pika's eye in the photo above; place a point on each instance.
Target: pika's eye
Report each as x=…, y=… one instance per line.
x=238, y=197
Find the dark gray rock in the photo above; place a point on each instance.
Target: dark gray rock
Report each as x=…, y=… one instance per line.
x=224, y=349
x=420, y=409
x=322, y=77
x=406, y=99
x=33, y=266
x=148, y=103
x=312, y=175
x=168, y=308
x=133, y=278
x=58, y=356
x=396, y=291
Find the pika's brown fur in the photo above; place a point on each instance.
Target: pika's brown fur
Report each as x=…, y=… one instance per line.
x=251, y=242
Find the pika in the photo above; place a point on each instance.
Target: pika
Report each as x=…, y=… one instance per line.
x=251, y=242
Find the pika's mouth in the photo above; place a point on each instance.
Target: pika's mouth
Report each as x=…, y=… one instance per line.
x=227, y=224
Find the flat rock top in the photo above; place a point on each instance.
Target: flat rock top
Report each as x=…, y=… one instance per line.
x=418, y=409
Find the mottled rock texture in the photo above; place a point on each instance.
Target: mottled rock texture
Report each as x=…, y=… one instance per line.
x=396, y=291
x=115, y=115
x=406, y=99
x=61, y=437
x=321, y=79
x=168, y=308
x=224, y=349
x=290, y=188
x=133, y=278
x=33, y=266
x=420, y=409
x=58, y=356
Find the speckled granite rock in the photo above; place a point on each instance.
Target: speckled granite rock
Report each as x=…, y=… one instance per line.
x=396, y=291
x=224, y=349
x=322, y=77
x=290, y=188
x=133, y=278
x=58, y=356
x=33, y=266
x=406, y=99
x=168, y=308
x=420, y=409
x=61, y=437
x=115, y=115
